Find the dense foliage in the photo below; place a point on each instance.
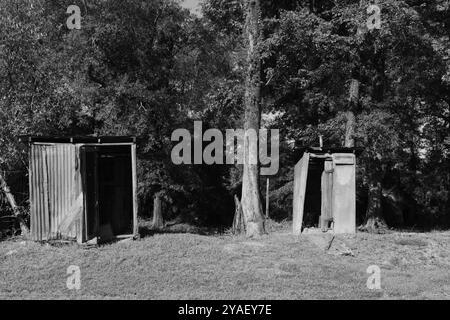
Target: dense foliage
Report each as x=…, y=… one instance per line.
x=146, y=68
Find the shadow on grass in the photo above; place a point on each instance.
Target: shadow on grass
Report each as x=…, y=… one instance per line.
x=147, y=230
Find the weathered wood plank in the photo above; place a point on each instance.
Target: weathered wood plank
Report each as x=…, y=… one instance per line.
x=300, y=178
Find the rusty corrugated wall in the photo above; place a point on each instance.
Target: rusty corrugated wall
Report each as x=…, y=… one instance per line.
x=55, y=192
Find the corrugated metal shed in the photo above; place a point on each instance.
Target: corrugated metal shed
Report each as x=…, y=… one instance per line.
x=62, y=205
x=54, y=187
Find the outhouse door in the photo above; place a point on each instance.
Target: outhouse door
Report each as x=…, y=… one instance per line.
x=108, y=191
x=89, y=169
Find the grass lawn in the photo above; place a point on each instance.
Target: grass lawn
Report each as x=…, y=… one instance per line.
x=188, y=266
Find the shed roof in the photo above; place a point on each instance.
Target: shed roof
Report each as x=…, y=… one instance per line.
x=325, y=150
x=77, y=139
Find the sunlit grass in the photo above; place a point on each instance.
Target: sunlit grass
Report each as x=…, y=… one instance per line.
x=188, y=266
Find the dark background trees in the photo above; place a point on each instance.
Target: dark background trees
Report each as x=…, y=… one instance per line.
x=146, y=68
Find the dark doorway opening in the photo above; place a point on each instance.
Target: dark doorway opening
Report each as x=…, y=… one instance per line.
x=108, y=189
x=313, y=194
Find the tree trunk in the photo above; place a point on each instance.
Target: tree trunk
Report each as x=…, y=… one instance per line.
x=374, y=215
x=238, y=221
x=158, y=222
x=374, y=221
x=350, y=129
x=12, y=202
x=350, y=125
x=251, y=199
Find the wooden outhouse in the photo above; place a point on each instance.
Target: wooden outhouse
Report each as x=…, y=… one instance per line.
x=325, y=190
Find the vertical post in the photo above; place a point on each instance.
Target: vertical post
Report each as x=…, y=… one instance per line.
x=46, y=204
x=267, y=198
x=135, y=202
x=327, y=196
x=83, y=189
x=77, y=193
x=96, y=194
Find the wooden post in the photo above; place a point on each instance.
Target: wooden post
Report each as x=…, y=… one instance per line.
x=135, y=186
x=327, y=196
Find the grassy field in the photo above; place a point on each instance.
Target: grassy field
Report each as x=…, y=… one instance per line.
x=188, y=266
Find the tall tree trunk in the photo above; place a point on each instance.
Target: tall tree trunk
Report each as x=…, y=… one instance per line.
x=374, y=221
x=158, y=222
x=12, y=202
x=350, y=125
x=251, y=199
x=353, y=99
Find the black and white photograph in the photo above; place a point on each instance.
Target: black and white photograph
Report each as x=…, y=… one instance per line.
x=225, y=155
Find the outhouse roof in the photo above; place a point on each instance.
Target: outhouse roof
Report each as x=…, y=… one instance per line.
x=77, y=139
x=321, y=151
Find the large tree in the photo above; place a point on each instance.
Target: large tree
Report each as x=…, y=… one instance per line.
x=396, y=79
x=251, y=200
